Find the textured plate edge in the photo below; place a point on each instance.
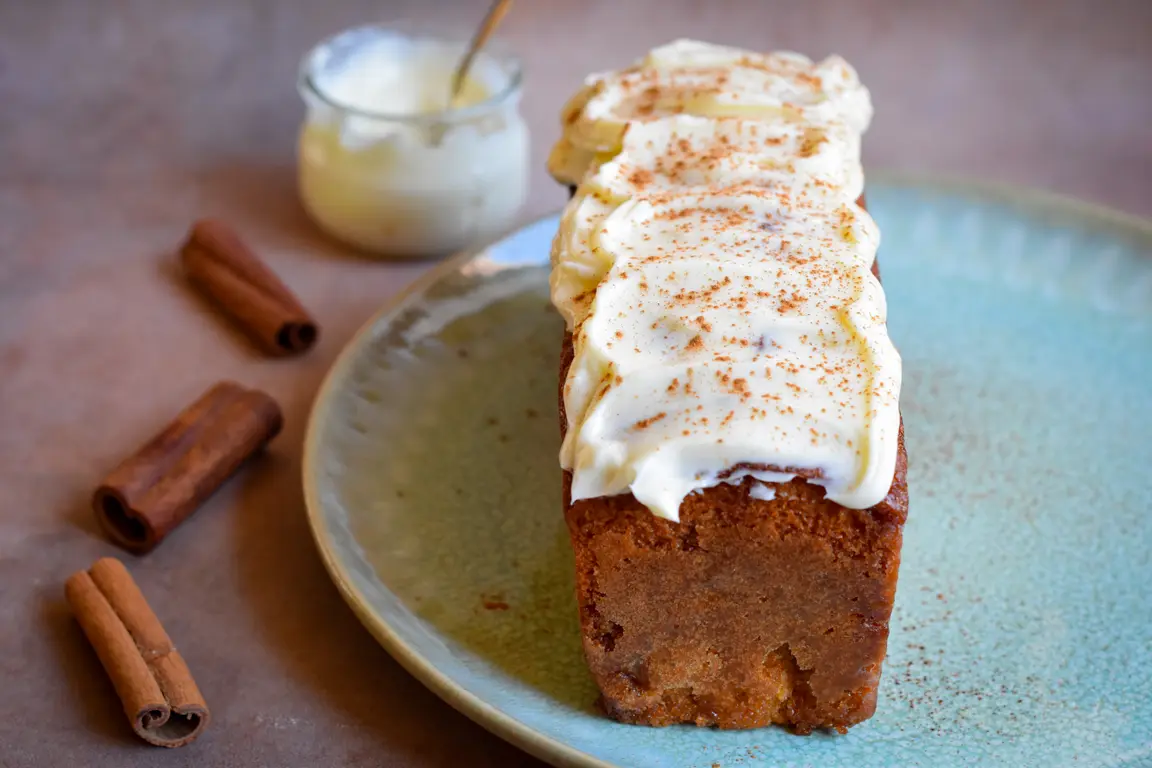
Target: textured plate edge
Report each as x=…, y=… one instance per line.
x=476, y=709
x=479, y=711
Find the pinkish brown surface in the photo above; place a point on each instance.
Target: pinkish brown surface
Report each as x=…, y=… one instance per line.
x=122, y=121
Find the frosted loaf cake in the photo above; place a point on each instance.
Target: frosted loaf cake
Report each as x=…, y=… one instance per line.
x=733, y=454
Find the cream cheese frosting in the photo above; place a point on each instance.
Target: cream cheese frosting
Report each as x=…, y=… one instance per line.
x=687, y=77
x=715, y=273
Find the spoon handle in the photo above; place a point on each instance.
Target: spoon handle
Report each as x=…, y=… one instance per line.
x=492, y=20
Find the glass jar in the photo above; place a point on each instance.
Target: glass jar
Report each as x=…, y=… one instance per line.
x=388, y=165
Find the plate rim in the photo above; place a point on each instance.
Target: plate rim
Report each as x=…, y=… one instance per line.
x=469, y=704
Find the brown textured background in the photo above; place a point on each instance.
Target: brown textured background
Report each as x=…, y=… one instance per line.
x=121, y=121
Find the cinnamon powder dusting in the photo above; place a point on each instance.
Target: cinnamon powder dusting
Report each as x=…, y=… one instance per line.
x=645, y=423
x=738, y=230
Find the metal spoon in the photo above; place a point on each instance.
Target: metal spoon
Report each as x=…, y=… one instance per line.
x=492, y=20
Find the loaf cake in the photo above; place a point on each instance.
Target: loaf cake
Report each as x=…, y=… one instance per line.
x=733, y=455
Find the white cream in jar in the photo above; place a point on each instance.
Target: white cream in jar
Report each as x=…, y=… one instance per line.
x=388, y=165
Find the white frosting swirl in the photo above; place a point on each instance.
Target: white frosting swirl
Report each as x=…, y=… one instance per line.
x=692, y=78
x=715, y=273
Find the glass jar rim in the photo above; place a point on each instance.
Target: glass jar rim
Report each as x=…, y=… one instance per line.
x=308, y=86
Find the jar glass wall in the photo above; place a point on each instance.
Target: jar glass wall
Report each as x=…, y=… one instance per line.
x=388, y=164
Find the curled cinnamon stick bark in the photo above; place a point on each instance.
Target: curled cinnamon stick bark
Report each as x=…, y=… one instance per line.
x=159, y=695
x=171, y=475
x=222, y=265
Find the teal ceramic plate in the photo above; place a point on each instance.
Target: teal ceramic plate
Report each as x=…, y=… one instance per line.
x=1022, y=633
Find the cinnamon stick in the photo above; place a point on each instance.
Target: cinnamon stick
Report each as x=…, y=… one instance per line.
x=222, y=265
x=158, y=693
x=170, y=476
